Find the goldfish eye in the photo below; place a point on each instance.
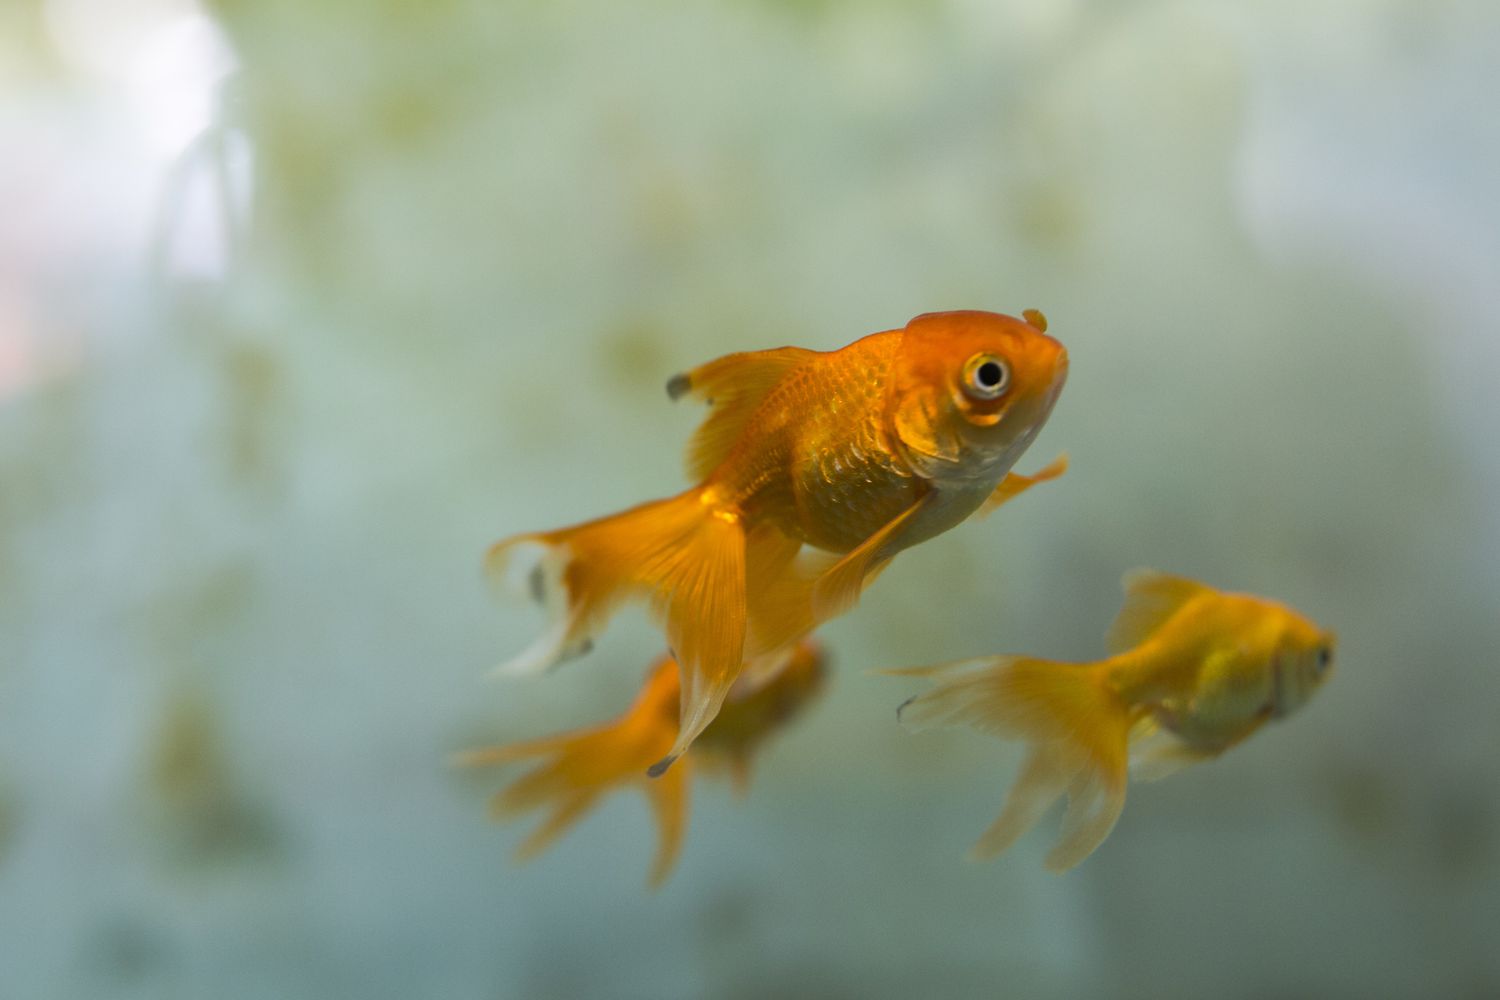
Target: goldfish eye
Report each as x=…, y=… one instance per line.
x=986, y=377
x=1325, y=657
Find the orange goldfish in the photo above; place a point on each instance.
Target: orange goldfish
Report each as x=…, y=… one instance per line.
x=1194, y=671
x=583, y=765
x=859, y=452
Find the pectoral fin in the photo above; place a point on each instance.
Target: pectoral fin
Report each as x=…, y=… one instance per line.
x=806, y=591
x=839, y=587
x=1014, y=484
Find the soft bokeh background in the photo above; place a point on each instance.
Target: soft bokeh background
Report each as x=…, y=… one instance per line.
x=301, y=305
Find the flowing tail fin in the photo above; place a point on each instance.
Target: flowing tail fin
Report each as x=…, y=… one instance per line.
x=1077, y=729
x=685, y=554
x=576, y=768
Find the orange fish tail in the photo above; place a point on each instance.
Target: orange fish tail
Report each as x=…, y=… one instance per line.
x=575, y=769
x=686, y=554
x=1077, y=728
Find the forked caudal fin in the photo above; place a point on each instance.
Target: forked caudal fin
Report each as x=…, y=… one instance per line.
x=1076, y=728
x=684, y=554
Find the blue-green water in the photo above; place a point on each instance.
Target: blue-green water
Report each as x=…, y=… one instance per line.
x=301, y=306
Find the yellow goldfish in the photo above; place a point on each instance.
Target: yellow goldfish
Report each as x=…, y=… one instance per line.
x=583, y=765
x=1194, y=671
x=859, y=452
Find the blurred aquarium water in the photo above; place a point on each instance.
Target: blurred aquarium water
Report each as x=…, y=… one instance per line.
x=302, y=305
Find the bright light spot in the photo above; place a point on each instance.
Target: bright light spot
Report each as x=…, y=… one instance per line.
x=174, y=78
x=127, y=164
x=208, y=205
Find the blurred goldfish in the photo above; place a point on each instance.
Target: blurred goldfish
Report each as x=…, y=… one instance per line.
x=860, y=452
x=582, y=765
x=1194, y=671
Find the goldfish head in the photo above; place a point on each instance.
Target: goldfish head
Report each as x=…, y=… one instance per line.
x=1302, y=661
x=969, y=390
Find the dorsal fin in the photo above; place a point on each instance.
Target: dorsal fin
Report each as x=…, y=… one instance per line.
x=734, y=386
x=1151, y=597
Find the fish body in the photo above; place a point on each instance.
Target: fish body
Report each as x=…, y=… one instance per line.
x=577, y=768
x=1192, y=672
x=1221, y=665
x=848, y=440
x=856, y=454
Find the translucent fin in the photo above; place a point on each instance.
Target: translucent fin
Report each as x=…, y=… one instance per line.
x=789, y=595
x=778, y=598
x=575, y=769
x=780, y=605
x=1151, y=598
x=1014, y=484
x=567, y=635
x=1163, y=756
x=1077, y=728
x=1096, y=797
x=1042, y=781
x=668, y=796
x=760, y=671
x=563, y=816
x=682, y=552
x=699, y=589
x=839, y=587
x=734, y=385
x=509, y=752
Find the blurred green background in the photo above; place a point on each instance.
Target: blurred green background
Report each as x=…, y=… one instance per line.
x=303, y=304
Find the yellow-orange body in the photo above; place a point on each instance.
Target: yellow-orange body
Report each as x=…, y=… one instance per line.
x=1193, y=672
x=859, y=453
x=1219, y=666
x=580, y=766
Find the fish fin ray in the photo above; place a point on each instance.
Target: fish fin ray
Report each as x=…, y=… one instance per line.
x=1096, y=797
x=734, y=385
x=838, y=588
x=780, y=604
x=1014, y=483
x=585, y=762
x=681, y=552
x=1164, y=756
x=1041, y=782
x=763, y=669
x=509, y=752
x=699, y=590
x=565, y=814
x=668, y=797
x=1151, y=598
x=968, y=693
x=567, y=634
x=1078, y=731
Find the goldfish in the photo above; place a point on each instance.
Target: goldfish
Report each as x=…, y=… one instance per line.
x=1193, y=671
x=581, y=766
x=854, y=454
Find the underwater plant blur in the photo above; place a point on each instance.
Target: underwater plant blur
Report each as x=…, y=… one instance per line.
x=304, y=305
